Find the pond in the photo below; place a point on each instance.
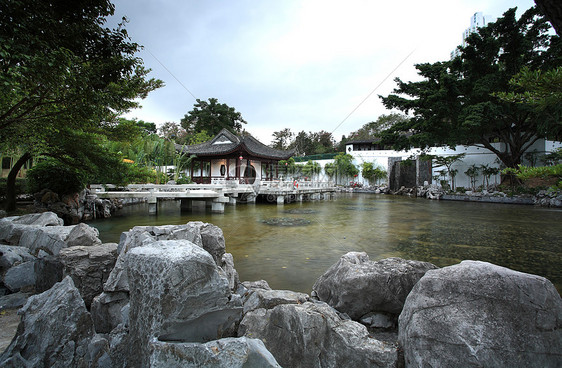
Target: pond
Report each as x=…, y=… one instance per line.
x=290, y=246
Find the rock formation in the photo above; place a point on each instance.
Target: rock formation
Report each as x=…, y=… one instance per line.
x=169, y=296
x=481, y=315
x=314, y=335
x=55, y=330
x=358, y=286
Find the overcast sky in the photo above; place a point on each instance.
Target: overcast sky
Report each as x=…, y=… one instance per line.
x=298, y=64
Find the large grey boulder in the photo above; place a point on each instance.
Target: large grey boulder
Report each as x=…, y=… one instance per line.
x=476, y=314
x=89, y=267
x=21, y=276
x=224, y=353
x=206, y=236
x=83, y=235
x=11, y=255
x=11, y=228
x=55, y=330
x=10, y=232
x=49, y=239
x=106, y=309
x=176, y=290
x=40, y=219
x=314, y=335
x=357, y=286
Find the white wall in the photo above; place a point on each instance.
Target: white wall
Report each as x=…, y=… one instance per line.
x=474, y=156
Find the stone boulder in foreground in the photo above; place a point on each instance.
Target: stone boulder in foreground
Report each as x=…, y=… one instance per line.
x=476, y=314
x=55, y=330
x=177, y=294
x=357, y=286
x=312, y=334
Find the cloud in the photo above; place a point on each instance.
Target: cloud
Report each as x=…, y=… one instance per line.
x=298, y=64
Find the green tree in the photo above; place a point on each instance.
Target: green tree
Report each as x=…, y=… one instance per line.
x=372, y=129
x=344, y=166
x=174, y=132
x=282, y=139
x=487, y=172
x=287, y=167
x=302, y=144
x=64, y=79
x=330, y=169
x=212, y=117
x=447, y=162
x=371, y=173
x=472, y=172
x=311, y=168
x=539, y=90
x=147, y=127
x=455, y=102
x=312, y=143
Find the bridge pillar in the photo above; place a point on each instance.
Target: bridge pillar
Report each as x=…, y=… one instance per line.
x=299, y=197
x=232, y=201
x=186, y=204
x=217, y=207
x=280, y=200
x=152, y=205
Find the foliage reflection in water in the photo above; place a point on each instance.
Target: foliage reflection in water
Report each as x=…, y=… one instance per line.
x=524, y=238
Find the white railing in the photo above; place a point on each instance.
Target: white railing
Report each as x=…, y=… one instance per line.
x=220, y=185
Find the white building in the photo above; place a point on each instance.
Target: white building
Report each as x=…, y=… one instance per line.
x=367, y=151
x=478, y=20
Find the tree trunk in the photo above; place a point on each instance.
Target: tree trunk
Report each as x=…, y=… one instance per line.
x=553, y=11
x=11, y=182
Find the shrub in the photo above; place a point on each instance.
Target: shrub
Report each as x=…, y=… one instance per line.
x=183, y=179
x=549, y=174
x=56, y=176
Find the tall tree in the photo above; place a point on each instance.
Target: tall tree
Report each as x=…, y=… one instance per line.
x=456, y=102
x=282, y=139
x=372, y=129
x=323, y=142
x=174, y=132
x=312, y=143
x=212, y=117
x=302, y=144
x=64, y=78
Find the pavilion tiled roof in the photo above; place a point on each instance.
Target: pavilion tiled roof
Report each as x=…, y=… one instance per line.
x=225, y=142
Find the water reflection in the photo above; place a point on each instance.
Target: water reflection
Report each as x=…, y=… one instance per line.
x=523, y=238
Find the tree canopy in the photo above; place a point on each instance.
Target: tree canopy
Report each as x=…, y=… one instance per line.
x=212, y=117
x=282, y=139
x=373, y=128
x=456, y=101
x=64, y=79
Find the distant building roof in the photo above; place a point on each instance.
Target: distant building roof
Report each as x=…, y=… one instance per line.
x=225, y=143
x=363, y=141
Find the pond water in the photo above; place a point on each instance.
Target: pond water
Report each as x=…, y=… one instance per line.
x=266, y=246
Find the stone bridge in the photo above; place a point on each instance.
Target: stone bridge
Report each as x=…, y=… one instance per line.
x=218, y=193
